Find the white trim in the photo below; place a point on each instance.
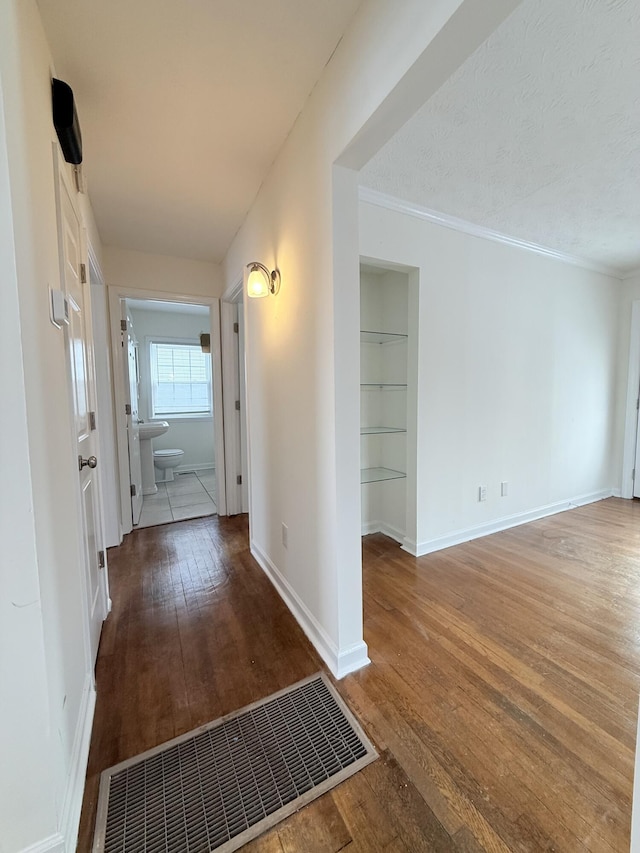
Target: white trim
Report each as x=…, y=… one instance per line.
x=631, y=412
x=53, y=844
x=96, y=275
x=234, y=293
x=72, y=803
x=409, y=208
x=352, y=658
x=339, y=661
x=384, y=528
x=231, y=384
x=504, y=523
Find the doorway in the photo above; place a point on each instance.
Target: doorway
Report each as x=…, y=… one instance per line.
x=169, y=422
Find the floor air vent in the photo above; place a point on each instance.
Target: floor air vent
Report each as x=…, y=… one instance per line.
x=216, y=788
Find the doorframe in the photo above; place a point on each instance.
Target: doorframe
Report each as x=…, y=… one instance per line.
x=631, y=411
x=233, y=388
x=116, y=295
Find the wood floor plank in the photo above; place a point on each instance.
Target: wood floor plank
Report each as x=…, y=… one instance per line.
x=318, y=828
x=502, y=694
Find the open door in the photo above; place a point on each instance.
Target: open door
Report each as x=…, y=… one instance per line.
x=132, y=380
x=79, y=344
x=234, y=401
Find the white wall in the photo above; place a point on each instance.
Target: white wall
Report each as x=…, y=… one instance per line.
x=46, y=680
x=517, y=375
x=302, y=346
x=195, y=435
x=140, y=270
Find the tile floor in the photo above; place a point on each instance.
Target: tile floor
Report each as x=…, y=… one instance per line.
x=189, y=495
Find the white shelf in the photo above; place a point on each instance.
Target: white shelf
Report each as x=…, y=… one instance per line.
x=381, y=337
x=379, y=430
x=378, y=475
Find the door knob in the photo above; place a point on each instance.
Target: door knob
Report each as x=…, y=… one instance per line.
x=91, y=462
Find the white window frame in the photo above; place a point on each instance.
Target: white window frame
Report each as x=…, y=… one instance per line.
x=177, y=416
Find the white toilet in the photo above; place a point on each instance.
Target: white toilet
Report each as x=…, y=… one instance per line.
x=167, y=460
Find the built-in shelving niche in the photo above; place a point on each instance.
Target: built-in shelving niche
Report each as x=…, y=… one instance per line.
x=383, y=399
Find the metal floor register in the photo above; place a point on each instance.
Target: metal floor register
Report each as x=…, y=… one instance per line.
x=216, y=788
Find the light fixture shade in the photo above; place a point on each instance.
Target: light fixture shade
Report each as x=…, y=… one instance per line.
x=261, y=281
x=258, y=282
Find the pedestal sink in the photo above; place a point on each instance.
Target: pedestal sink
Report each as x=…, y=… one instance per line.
x=147, y=432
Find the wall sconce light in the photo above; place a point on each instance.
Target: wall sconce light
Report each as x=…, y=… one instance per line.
x=205, y=342
x=261, y=281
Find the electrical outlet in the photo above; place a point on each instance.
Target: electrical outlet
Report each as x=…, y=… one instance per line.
x=504, y=488
x=285, y=535
x=482, y=493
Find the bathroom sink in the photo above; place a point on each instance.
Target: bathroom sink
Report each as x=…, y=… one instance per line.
x=152, y=429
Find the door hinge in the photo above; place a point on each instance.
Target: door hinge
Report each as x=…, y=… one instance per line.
x=127, y=408
x=633, y=475
x=83, y=274
x=638, y=405
x=123, y=325
x=92, y=420
x=134, y=490
x=101, y=560
x=237, y=405
x=239, y=479
x=236, y=328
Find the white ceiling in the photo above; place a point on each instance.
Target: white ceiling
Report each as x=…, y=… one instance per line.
x=537, y=136
x=184, y=106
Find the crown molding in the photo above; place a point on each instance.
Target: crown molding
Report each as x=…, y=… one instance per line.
x=411, y=209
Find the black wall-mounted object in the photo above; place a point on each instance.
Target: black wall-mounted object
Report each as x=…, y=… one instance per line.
x=65, y=121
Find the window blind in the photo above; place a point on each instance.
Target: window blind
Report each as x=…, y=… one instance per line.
x=180, y=380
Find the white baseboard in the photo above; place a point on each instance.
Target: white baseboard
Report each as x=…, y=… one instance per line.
x=72, y=803
x=66, y=839
x=340, y=661
x=52, y=844
x=386, y=529
x=504, y=523
x=189, y=469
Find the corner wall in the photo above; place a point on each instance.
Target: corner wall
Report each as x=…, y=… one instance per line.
x=302, y=346
x=517, y=378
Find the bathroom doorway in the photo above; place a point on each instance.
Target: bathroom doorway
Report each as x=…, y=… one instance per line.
x=168, y=400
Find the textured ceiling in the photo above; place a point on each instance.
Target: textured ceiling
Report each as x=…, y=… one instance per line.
x=184, y=106
x=537, y=135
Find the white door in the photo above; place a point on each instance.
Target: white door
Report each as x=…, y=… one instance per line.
x=82, y=379
x=132, y=380
x=243, y=411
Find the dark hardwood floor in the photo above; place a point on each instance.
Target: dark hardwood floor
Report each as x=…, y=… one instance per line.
x=502, y=694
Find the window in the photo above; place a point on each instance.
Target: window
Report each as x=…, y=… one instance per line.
x=180, y=380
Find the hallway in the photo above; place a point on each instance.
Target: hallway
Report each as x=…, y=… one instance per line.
x=501, y=696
